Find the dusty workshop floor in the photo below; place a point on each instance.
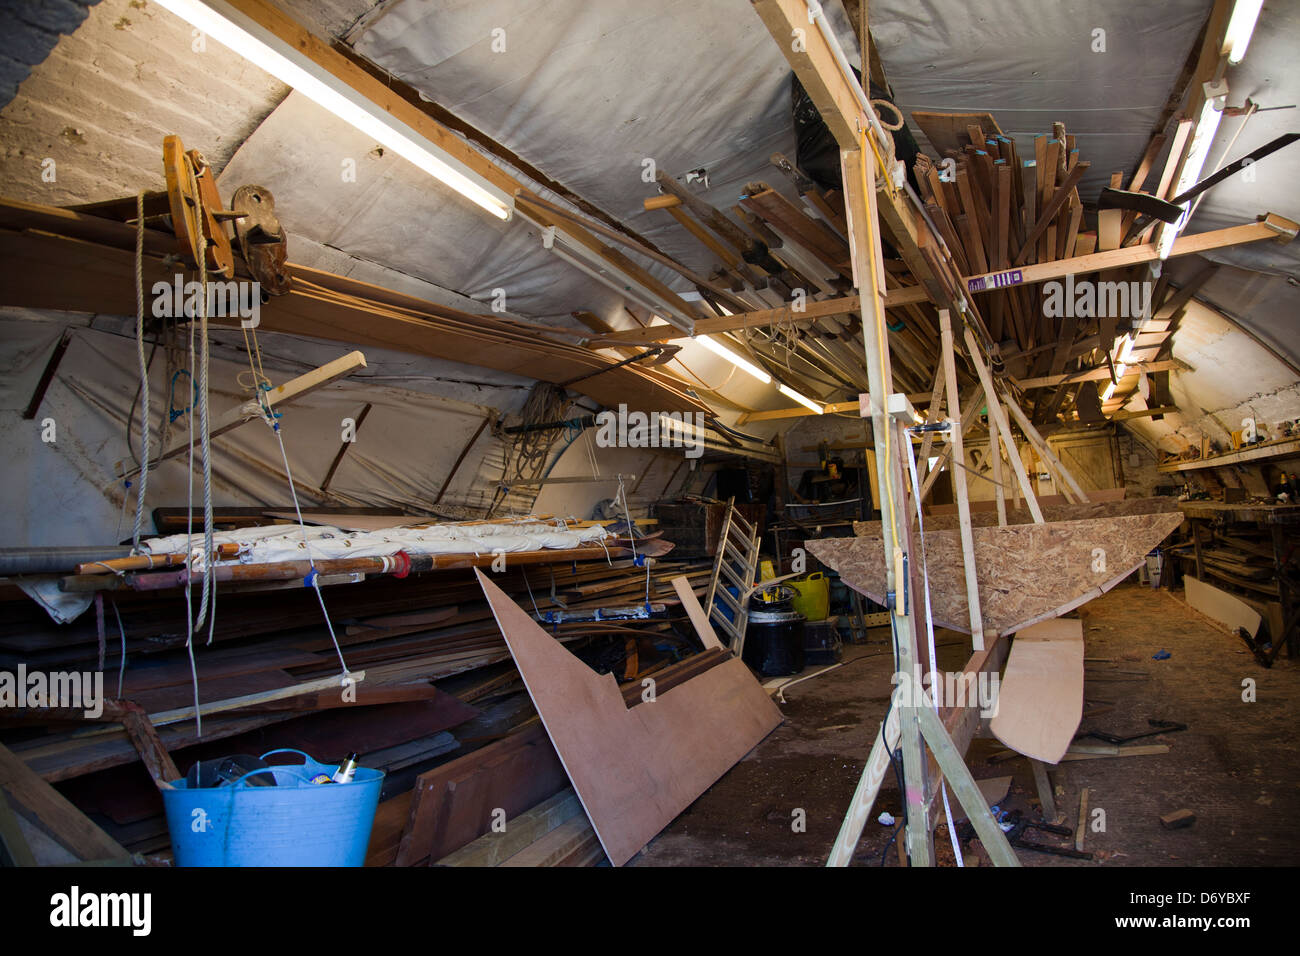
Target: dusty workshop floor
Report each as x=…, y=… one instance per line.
x=1237, y=766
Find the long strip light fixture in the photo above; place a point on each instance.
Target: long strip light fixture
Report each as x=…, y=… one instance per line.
x=747, y=366
x=1241, y=26
x=236, y=30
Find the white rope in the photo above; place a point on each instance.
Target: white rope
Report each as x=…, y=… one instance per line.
x=302, y=528
x=929, y=631
x=189, y=558
x=205, y=439
x=144, y=377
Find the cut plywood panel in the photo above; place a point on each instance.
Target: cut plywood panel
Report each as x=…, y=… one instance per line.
x=1027, y=572
x=1227, y=609
x=634, y=769
x=1040, y=702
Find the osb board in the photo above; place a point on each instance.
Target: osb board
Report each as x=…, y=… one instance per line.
x=1226, y=608
x=1040, y=701
x=1052, y=512
x=634, y=769
x=1027, y=572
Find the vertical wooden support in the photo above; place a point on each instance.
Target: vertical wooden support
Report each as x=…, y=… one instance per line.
x=868, y=270
x=1044, y=784
x=931, y=416
x=959, y=487
x=963, y=785
x=969, y=415
x=1070, y=486
x=995, y=459
x=995, y=412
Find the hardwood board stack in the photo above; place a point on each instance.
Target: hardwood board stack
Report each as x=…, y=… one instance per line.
x=418, y=640
x=999, y=210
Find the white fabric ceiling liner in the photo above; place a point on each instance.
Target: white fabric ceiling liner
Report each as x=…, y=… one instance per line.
x=1030, y=63
x=64, y=493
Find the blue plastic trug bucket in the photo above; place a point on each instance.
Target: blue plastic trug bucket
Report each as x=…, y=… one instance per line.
x=294, y=823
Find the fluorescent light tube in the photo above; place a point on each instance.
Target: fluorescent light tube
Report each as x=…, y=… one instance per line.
x=743, y=364
x=1110, y=390
x=1241, y=25
x=264, y=49
x=801, y=399
x=1206, y=128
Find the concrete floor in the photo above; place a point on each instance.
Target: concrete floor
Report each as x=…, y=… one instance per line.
x=1237, y=766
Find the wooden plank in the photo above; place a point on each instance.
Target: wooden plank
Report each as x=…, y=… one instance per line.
x=521, y=831
x=1081, y=822
x=1220, y=605
x=699, y=620
x=959, y=486
x=572, y=836
x=64, y=821
x=1004, y=429
x=289, y=391
x=634, y=770
x=1040, y=703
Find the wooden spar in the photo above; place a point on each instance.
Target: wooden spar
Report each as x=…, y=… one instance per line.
x=959, y=486
x=290, y=391
x=147, y=562
x=179, y=714
x=995, y=459
x=995, y=411
x=969, y=415
x=343, y=448
x=461, y=457
x=399, y=565
x=556, y=210
x=1072, y=488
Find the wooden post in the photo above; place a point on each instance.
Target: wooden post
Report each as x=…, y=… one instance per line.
x=995, y=412
x=995, y=457
x=1071, y=487
x=959, y=487
x=868, y=270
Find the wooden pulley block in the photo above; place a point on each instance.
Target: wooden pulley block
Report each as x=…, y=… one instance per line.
x=195, y=207
x=262, y=239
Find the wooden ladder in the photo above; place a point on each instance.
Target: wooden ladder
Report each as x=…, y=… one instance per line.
x=736, y=564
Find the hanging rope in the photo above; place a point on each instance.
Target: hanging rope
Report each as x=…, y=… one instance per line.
x=144, y=375
x=929, y=631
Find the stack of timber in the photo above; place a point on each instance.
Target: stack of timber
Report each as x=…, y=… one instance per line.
x=1000, y=209
x=429, y=658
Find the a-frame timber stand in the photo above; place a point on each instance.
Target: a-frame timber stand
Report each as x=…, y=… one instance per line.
x=874, y=199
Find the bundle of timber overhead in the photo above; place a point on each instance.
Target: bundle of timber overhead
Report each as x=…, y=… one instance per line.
x=435, y=693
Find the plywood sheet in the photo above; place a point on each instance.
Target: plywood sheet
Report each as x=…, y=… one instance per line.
x=1027, y=573
x=1226, y=608
x=1040, y=702
x=634, y=769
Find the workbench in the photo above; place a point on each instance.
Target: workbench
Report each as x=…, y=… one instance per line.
x=1252, y=546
